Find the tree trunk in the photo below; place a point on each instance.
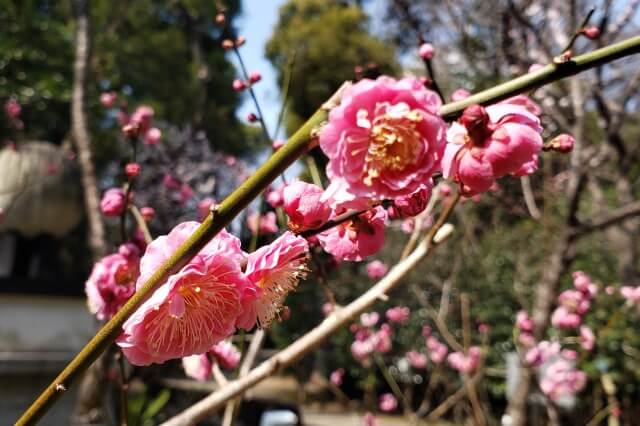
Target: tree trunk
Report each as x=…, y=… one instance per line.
x=88, y=409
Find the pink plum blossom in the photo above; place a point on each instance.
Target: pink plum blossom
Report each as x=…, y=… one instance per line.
x=13, y=109
x=437, y=350
x=587, y=338
x=263, y=224
x=562, y=143
x=591, y=33
x=337, y=376
x=226, y=354
x=369, y=420
x=239, y=85
x=108, y=99
x=275, y=197
x=398, y=314
x=357, y=238
x=465, y=364
x=112, y=281
x=255, y=77
x=535, y=67
x=376, y=269
x=197, y=367
x=417, y=360
x=561, y=379
x=563, y=318
x=387, y=402
x=147, y=213
x=369, y=319
x=113, y=202
x=152, y=136
x=361, y=349
x=384, y=140
x=277, y=144
x=142, y=117
x=275, y=270
x=631, y=294
x=327, y=308
x=303, y=205
x=492, y=142
x=194, y=308
x=459, y=95
x=524, y=322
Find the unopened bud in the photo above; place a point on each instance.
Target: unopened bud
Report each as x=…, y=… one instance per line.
x=426, y=51
x=147, y=213
x=240, y=41
x=476, y=120
x=255, y=77
x=562, y=143
x=131, y=130
x=252, y=118
x=239, y=85
x=132, y=170
x=227, y=44
x=591, y=33
x=220, y=19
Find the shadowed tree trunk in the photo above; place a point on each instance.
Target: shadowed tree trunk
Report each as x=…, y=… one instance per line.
x=88, y=409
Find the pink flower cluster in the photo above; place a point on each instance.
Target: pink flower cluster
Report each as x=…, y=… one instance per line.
x=575, y=303
x=417, y=360
x=112, y=281
x=387, y=402
x=631, y=294
x=560, y=379
x=398, y=314
x=465, y=363
x=437, y=350
x=488, y=143
x=140, y=124
x=206, y=300
x=367, y=340
x=376, y=269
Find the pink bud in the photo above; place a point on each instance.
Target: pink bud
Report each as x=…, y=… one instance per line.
x=252, y=118
x=13, y=109
x=398, y=314
x=459, y=95
x=220, y=19
x=476, y=120
x=426, y=51
x=240, y=41
x=387, y=402
x=227, y=44
x=255, y=77
x=414, y=203
x=132, y=170
x=562, y=143
x=204, y=207
x=239, y=85
x=277, y=144
x=591, y=33
x=113, y=202
x=147, y=213
x=131, y=130
x=336, y=377
x=153, y=136
x=108, y=99
x=535, y=67
x=376, y=269
x=303, y=205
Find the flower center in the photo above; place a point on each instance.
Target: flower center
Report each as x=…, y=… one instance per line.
x=394, y=141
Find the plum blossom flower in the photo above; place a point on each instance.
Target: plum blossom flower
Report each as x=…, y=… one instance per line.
x=563, y=318
x=437, y=350
x=275, y=270
x=587, y=338
x=387, y=402
x=466, y=364
x=337, y=376
x=524, y=322
x=492, y=142
x=13, y=109
x=376, y=269
x=542, y=352
x=414, y=203
x=398, y=314
x=113, y=202
x=226, y=354
x=152, y=136
x=142, y=117
x=147, y=213
x=561, y=379
x=357, y=238
x=417, y=360
x=369, y=420
x=197, y=367
x=384, y=139
x=275, y=197
x=303, y=205
x=263, y=224
x=369, y=319
x=631, y=294
x=194, y=308
x=112, y=281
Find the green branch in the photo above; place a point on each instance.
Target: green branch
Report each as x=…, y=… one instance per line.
x=297, y=145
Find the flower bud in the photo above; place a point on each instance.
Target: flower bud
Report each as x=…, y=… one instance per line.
x=239, y=85
x=252, y=118
x=303, y=205
x=227, y=44
x=240, y=41
x=113, y=202
x=591, y=33
x=277, y=144
x=426, y=51
x=131, y=130
x=562, y=143
x=153, y=136
x=220, y=19
x=132, y=170
x=459, y=95
x=255, y=77
x=147, y=213
x=414, y=203
x=476, y=120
